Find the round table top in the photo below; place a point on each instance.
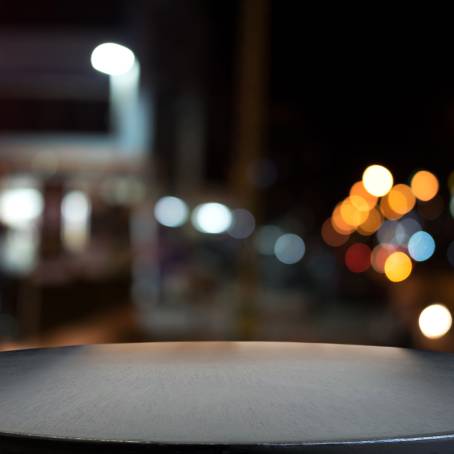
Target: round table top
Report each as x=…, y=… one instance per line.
x=206, y=396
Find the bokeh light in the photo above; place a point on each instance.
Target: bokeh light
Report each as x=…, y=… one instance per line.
x=435, y=321
x=289, y=248
x=360, y=198
x=76, y=211
x=357, y=258
x=410, y=225
x=377, y=180
x=243, y=224
x=421, y=246
x=351, y=215
x=387, y=211
x=339, y=224
x=392, y=232
x=331, y=237
x=424, y=185
x=371, y=224
x=401, y=199
x=266, y=238
x=379, y=255
x=171, y=211
x=20, y=207
x=398, y=266
x=112, y=59
x=211, y=218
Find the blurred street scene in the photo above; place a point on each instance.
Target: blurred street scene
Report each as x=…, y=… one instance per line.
x=225, y=170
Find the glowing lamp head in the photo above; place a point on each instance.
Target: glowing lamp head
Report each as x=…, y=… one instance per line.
x=377, y=180
x=112, y=59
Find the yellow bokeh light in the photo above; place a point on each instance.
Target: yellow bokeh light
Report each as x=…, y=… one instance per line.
x=360, y=198
x=401, y=199
x=435, y=321
x=351, y=215
x=398, y=266
x=377, y=180
x=371, y=224
x=339, y=225
x=424, y=185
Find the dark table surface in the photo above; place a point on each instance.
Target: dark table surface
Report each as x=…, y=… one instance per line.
x=226, y=397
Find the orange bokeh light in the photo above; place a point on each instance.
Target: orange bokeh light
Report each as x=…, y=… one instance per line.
x=360, y=198
x=401, y=199
x=387, y=211
x=351, y=215
x=424, y=185
x=379, y=255
x=331, y=236
x=371, y=224
x=339, y=224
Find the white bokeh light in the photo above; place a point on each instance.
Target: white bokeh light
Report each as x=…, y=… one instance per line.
x=435, y=321
x=171, y=211
x=289, y=248
x=212, y=218
x=20, y=207
x=75, y=210
x=112, y=59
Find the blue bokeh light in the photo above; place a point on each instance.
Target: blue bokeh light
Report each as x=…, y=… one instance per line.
x=421, y=246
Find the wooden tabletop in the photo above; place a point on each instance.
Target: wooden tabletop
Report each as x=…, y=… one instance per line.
x=227, y=397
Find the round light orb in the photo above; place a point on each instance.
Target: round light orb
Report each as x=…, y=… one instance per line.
x=435, y=321
x=289, y=248
x=424, y=185
x=377, y=180
x=243, y=224
x=211, y=218
x=112, y=59
x=266, y=238
x=171, y=211
x=398, y=266
x=421, y=246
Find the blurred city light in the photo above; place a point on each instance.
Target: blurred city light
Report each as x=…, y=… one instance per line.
x=171, y=211
x=289, y=248
x=410, y=225
x=20, y=207
x=398, y=266
x=379, y=255
x=338, y=222
x=112, y=59
x=371, y=224
x=351, y=215
x=75, y=210
x=401, y=199
x=387, y=211
x=357, y=258
x=211, y=218
x=377, y=180
x=266, y=238
x=243, y=224
x=331, y=237
x=421, y=246
x=435, y=321
x=392, y=232
x=424, y=185
x=360, y=198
